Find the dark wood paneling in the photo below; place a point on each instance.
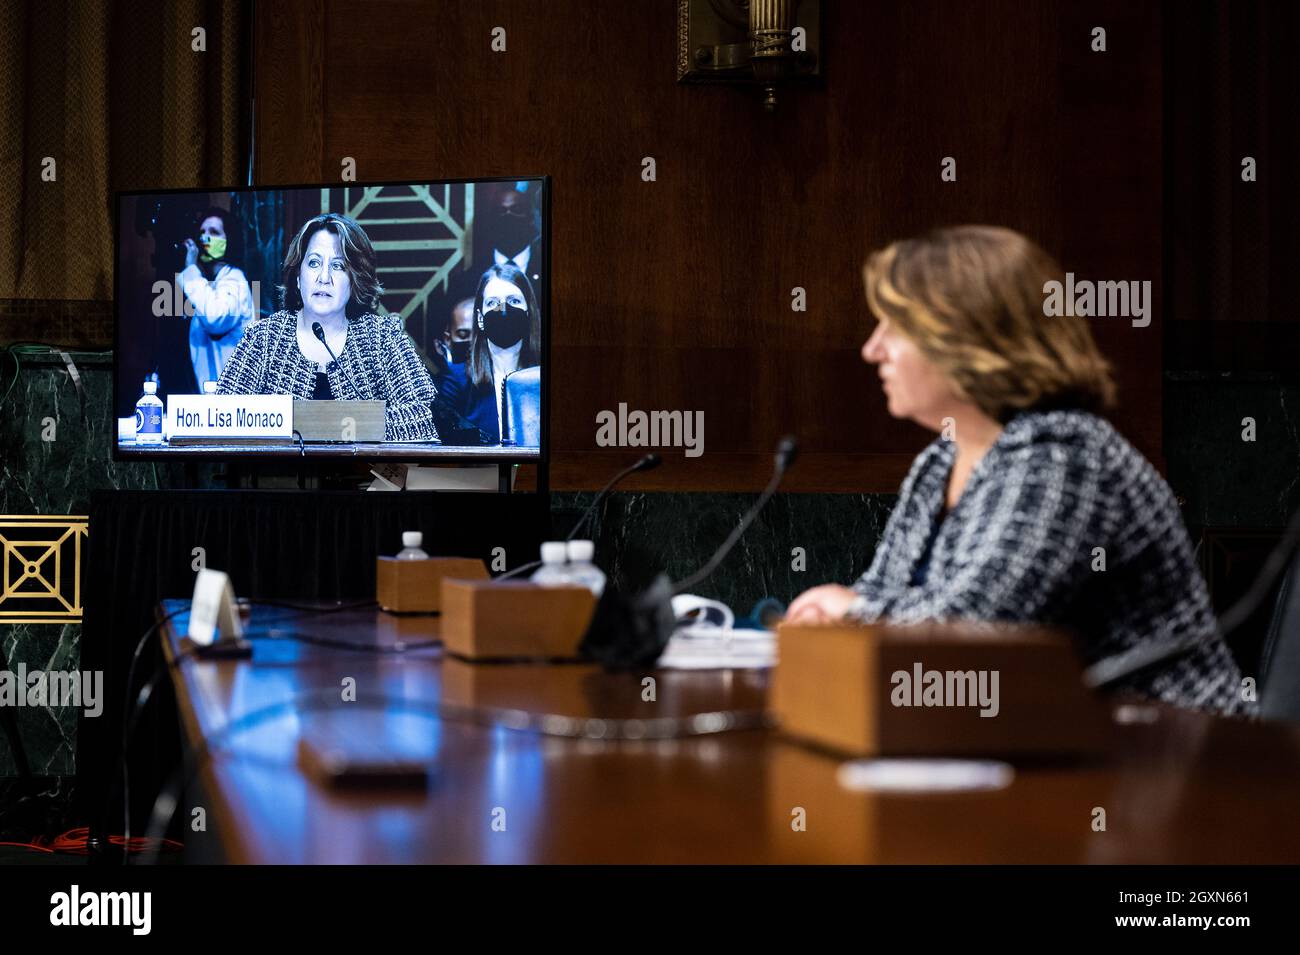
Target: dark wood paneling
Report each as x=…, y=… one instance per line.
x=1233, y=76
x=676, y=294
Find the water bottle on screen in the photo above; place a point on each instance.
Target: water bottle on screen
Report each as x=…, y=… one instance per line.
x=411, y=541
x=148, y=416
x=582, y=570
x=553, y=570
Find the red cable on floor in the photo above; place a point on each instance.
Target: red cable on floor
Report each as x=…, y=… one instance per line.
x=73, y=842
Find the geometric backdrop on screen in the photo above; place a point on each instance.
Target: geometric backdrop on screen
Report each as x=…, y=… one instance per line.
x=408, y=316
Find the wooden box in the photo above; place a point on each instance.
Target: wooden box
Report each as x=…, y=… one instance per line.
x=345, y=422
x=514, y=619
x=415, y=586
x=871, y=690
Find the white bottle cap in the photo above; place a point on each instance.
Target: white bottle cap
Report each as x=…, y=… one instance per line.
x=151, y=387
x=209, y=387
x=582, y=550
x=412, y=538
x=553, y=552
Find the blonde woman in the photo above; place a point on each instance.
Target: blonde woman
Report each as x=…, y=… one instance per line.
x=1008, y=513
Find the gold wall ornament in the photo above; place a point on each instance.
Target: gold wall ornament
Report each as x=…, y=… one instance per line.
x=769, y=43
x=411, y=225
x=40, y=567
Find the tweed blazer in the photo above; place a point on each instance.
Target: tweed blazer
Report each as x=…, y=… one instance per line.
x=378, y=361
x=1062, y=522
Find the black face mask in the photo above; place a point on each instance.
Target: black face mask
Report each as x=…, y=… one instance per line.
x=511, y=233
x=505, y=327
x=459, y=352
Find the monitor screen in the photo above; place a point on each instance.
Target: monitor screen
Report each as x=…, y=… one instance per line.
x=400, y=321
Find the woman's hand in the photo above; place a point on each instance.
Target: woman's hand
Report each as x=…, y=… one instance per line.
x=824, y=604
x=191, y=253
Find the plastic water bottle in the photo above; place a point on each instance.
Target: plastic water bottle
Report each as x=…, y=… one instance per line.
x=582, y=570
x=149, y=415
x=411, y=541
x=553, y=570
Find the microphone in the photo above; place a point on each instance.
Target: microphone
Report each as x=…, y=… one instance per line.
x=647, y=463
x=631, y=632
x=1126, y=663
x=787, y=450
x=320, y=333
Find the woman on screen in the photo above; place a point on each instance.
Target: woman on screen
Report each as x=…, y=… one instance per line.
x=1029, y=506
x=328, y=342
x=217, y=290
x=505, y=337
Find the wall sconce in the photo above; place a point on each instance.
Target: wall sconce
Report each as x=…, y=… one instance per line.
x=770, y=43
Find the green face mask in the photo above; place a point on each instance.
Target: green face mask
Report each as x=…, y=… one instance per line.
x=214, y=247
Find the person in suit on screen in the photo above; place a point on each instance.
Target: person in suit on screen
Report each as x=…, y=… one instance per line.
x=1029, y=506
x=330, y=289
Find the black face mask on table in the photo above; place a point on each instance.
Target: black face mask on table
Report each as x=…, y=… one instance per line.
x=505, y=327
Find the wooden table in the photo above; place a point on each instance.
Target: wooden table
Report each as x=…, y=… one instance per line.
x=1181, y=787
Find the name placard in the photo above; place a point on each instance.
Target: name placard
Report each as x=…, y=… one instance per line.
x=263, y=417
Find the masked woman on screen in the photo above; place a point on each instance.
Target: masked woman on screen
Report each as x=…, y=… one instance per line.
x=218, y=292
x=328, y=343
x=1029, y=506
x=505, y=337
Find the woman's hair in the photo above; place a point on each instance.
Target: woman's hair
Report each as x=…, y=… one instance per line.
x=234, y=230
x=480, y=359
x=971, y=299
x=358, y=258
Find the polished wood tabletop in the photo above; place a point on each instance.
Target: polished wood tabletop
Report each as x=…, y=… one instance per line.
x=1179, y=786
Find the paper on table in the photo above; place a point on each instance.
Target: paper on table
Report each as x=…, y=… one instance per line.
x=711, y=648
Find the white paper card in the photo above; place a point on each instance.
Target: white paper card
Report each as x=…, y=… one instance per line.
x=213, y=611
x=230, y=416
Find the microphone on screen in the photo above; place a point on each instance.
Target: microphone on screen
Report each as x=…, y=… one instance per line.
x=319, y=332
x=647, y=463
x=631, y=632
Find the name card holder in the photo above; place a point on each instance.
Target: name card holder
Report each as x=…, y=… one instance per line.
x=879, y=690
x=415, y=586
x=230, y=419
x=514, y=619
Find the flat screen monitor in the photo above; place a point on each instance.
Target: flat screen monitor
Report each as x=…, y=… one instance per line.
x=392, y=320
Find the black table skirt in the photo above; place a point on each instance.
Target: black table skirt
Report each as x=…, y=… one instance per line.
x=285, y=545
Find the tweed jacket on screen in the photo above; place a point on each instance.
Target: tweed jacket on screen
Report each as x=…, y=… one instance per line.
x=378, y=362
x=1022, y=545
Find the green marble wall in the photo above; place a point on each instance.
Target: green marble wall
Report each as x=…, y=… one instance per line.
x=1225, y=480
x=54, y=477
